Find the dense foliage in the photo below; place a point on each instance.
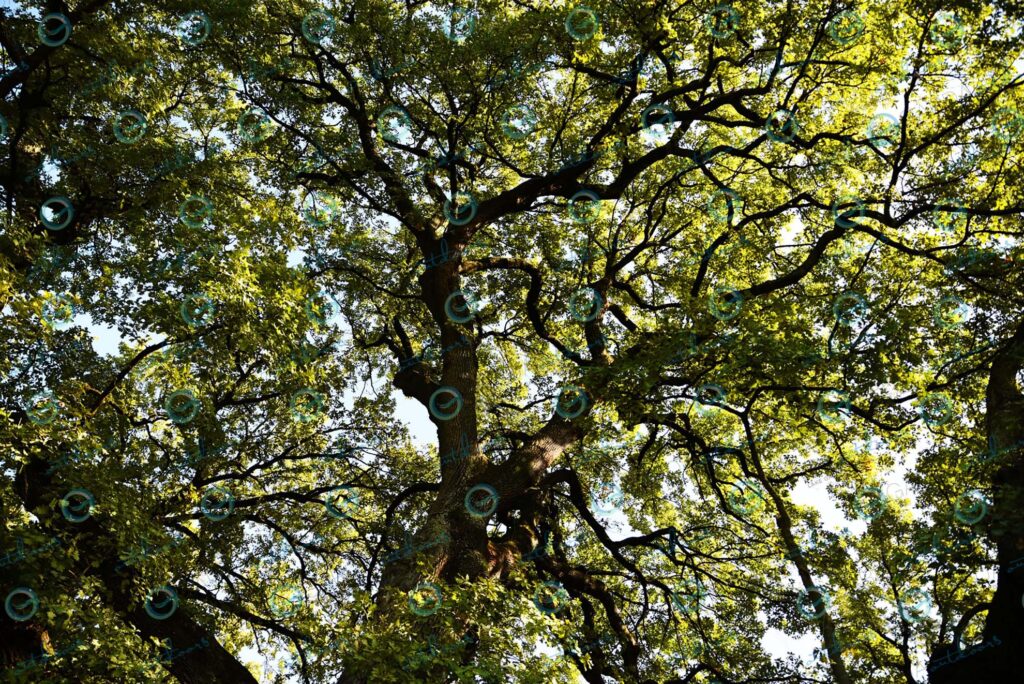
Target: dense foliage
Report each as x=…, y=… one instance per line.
x=716, y=310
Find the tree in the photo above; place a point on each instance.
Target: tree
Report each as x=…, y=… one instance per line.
x=651, y=269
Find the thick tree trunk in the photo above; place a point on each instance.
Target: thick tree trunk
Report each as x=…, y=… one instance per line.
x=1000, y=655
x=206, y=662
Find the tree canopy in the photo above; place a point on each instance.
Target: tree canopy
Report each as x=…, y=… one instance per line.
x=716, y=309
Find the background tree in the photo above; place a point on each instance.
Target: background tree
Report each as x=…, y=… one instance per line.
x=651, y=269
